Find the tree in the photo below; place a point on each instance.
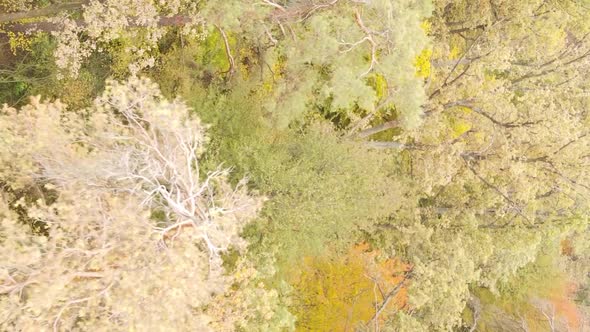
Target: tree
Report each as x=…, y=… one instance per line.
x=355, y=291
x=520, y=124
x=337, y=50
x=132, y=232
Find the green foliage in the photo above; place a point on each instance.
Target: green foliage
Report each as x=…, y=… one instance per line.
x=29, y=73
x=212, y=52
x=309, y=176
x=541, y=278
x=35, y=74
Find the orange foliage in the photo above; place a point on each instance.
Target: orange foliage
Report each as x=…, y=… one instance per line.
x=566, y=308
x=566, y=248
x=559, y=302
x=338, y=293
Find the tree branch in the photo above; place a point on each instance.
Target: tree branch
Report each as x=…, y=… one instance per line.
x=377, y=129
x=390, y=296
x=497, y=190
x=230, y=58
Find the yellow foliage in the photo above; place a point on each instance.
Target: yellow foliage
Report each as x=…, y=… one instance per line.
x=458, y=126
x=465, y=110
x=267, y=86
x=379, y=84
x=454, y=53
x=278, y=68
x=426, y=26
x=489, y=76
x=277, y=73
x=422, y=63
x=338, y=293
x=19, y=41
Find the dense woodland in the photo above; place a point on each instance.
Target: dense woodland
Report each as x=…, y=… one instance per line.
x=294, y=165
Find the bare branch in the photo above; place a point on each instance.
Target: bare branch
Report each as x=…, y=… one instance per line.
x=515, y=206
x=368, y=37
x=230, y=58
x=377, y=129
x=390, y=296
x=71, y=302
x=274, y=4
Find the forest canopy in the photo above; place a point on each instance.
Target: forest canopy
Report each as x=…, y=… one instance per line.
x=294, y=165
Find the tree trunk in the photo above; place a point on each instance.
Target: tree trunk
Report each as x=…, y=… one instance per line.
x=377, y=129
x=51, y=10
x=177, y=20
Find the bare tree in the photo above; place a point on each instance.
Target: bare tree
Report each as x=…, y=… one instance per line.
x=133, y=213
